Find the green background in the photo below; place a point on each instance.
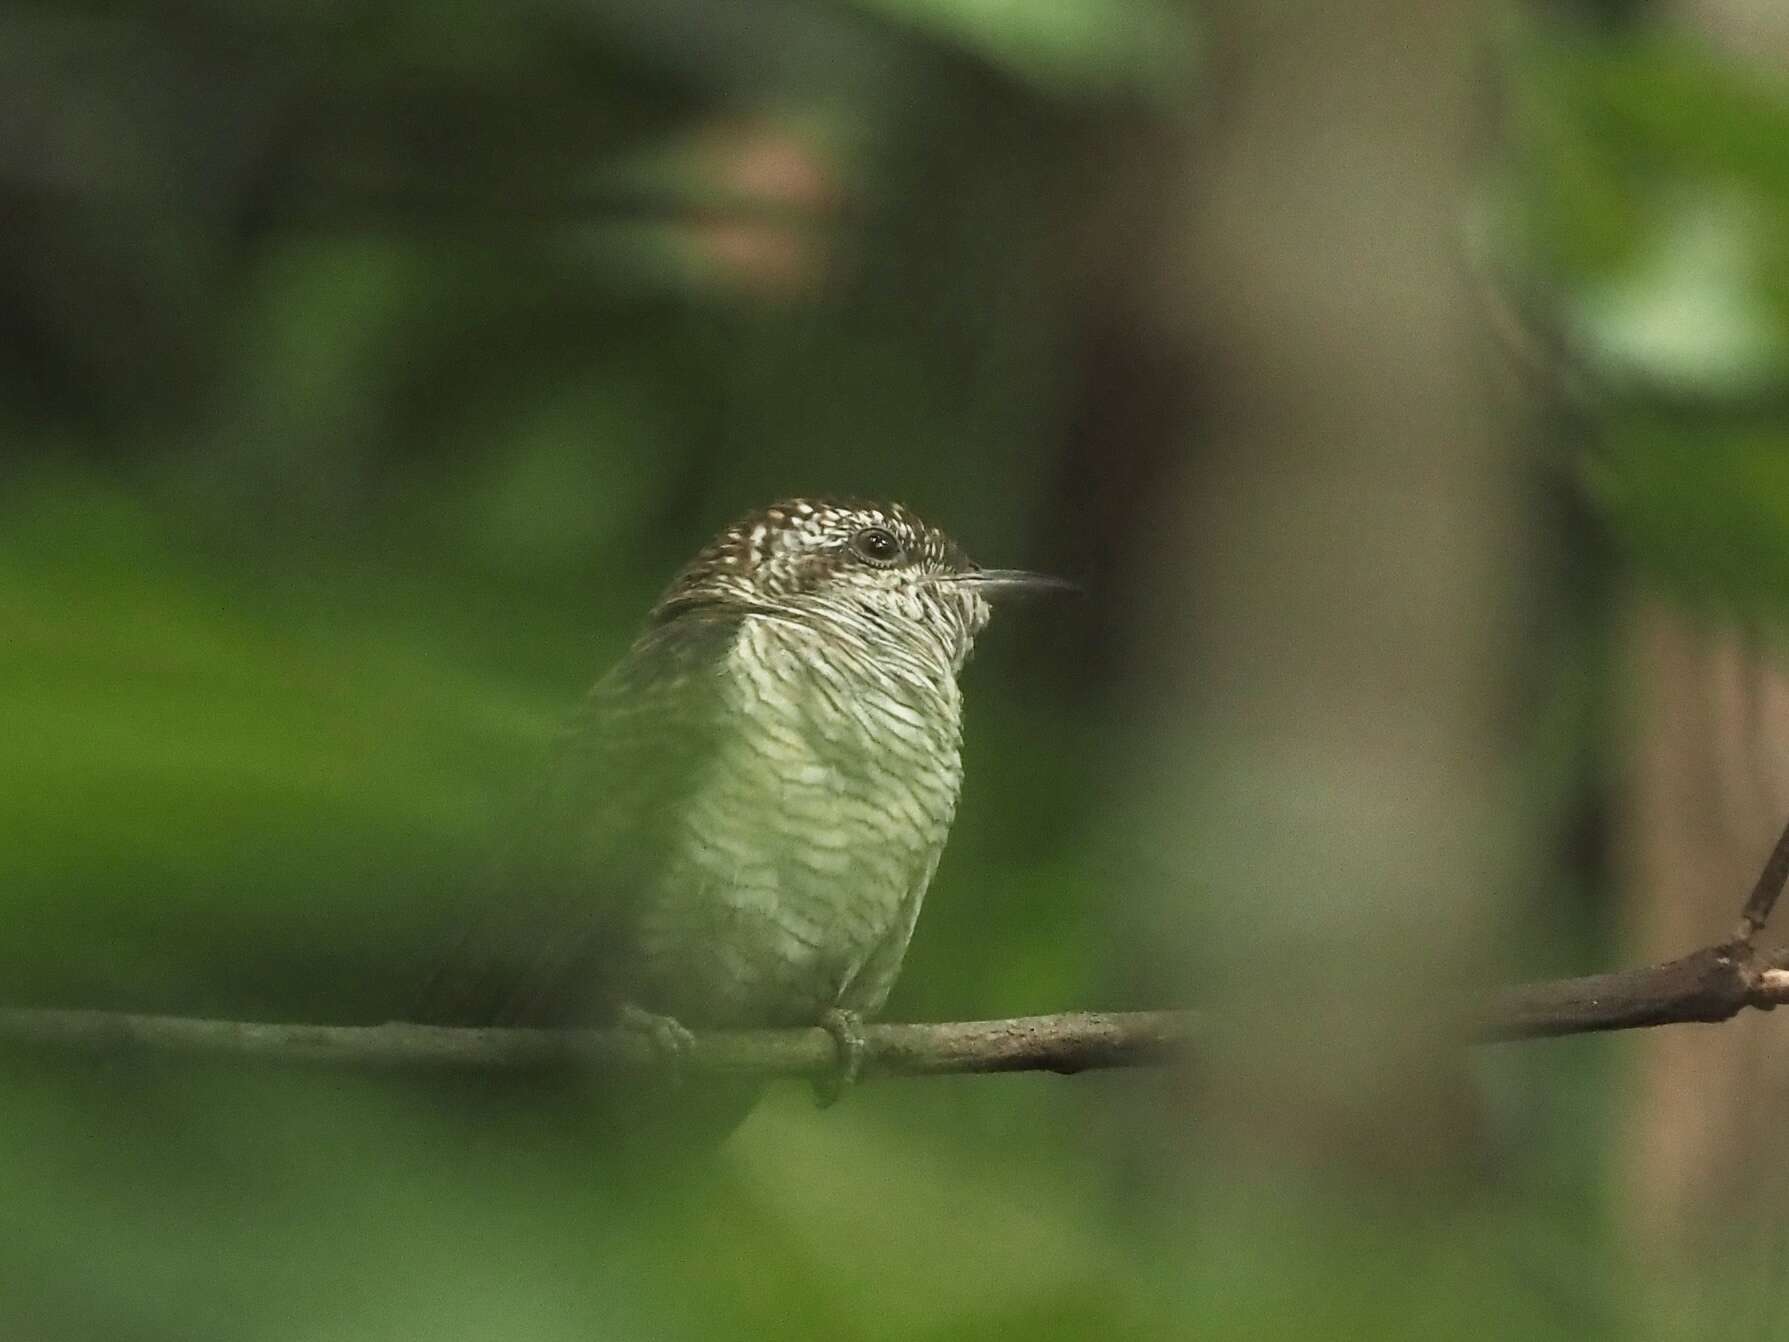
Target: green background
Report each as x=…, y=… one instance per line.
x=366, y=369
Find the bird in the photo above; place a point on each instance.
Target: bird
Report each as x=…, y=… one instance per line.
x=738, y=825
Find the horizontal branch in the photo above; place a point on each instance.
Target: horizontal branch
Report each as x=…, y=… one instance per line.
x=1711, y=985
x=1073, y=1042
x=1707, y=986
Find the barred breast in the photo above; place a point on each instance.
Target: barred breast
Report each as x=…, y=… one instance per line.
x=805, y=852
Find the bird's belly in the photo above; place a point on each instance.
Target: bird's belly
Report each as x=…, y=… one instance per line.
x=772, y=912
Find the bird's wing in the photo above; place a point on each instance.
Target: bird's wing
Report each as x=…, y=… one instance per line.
x=553, y=944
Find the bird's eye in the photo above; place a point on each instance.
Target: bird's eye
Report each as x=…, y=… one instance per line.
x=878, y=546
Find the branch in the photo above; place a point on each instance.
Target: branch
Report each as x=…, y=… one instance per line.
x=1765, y=893
x=1707, y=986
x=1064, y=1043
x=1711, y=985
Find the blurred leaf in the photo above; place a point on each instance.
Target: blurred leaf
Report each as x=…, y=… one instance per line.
x=1704, y=505
x=1652, y=191
x=1605, y=132
x=1663, y=101
x=200, y=778
x=1689, y=316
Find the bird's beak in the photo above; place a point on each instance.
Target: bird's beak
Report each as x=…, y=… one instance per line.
x=999, y=583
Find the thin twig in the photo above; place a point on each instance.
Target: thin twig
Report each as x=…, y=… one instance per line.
x=1537, y=351
x=1766, y=892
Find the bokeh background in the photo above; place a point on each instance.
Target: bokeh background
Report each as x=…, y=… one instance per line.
x=1408, y=385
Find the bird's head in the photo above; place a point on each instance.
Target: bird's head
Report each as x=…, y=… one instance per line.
x=873, y=569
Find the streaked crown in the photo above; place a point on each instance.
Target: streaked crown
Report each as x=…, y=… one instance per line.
x=873, y=569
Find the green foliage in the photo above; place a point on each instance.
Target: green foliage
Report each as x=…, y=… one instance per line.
x=1652, y=194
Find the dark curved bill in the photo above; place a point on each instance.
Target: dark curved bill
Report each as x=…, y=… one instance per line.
x=996, y=583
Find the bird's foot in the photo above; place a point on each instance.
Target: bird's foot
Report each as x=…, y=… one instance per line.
x=846, y=1028
x=669, y=1040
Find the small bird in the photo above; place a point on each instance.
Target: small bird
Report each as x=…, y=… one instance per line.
x=740, y=824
